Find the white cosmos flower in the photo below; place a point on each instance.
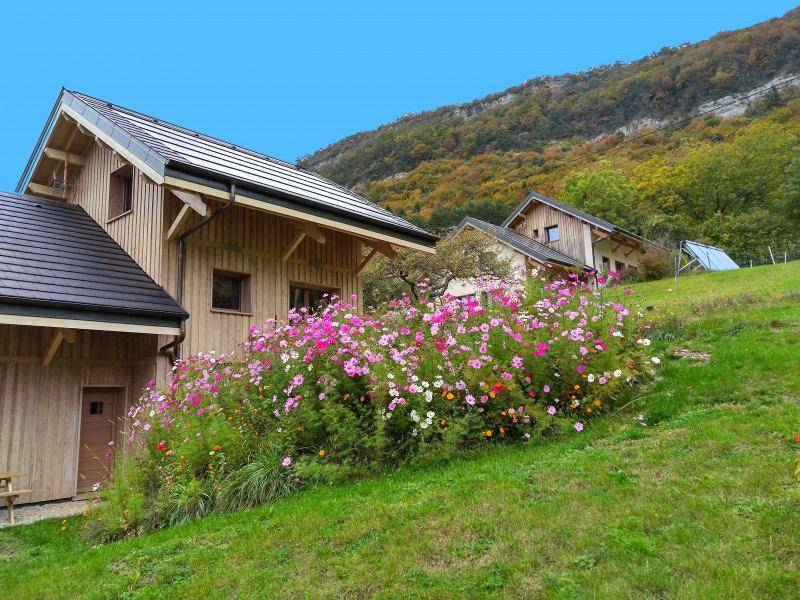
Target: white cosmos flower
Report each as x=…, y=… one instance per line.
x=656, y=360
x=590, y=378
x=617, y=373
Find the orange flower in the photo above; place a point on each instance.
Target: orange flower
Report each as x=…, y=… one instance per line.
x=597, y=402
x=572, y=397
x=492, y=394
x=588, y=410
x=125, y=512
x=445, y=428
x=64, y=521
x=577, y=387
x=442, y=421
x=63, y=528
x=489, y=433
x=299, y=429
x=502, y=430
x=322, y=452
x=449, y=396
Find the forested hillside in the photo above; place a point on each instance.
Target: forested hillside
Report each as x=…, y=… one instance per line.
x=616, y=141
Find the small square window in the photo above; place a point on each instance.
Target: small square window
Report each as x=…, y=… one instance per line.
x=551, y=233
x=95, y=408
x=230, y=292
x=120, y=192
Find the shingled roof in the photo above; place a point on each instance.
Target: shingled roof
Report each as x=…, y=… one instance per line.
x=57, y=262
x=167, y=150
x=537, y=251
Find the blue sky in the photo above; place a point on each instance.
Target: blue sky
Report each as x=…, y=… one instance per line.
x=289, y=78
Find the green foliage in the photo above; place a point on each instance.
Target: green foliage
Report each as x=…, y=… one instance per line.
x=260, y=481
x=603, y=192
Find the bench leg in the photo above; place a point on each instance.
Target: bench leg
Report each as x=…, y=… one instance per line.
x=10, y=502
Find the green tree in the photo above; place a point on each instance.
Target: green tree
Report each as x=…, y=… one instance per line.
x=605, y=193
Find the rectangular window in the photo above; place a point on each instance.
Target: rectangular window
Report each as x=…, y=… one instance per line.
x=314, y=299
x=606, y=264
x=120, y=192
x=230, y=292
x=551, y=233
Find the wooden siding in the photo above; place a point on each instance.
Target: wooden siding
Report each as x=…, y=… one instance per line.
x=40, y=406
x=570, y=229
x=139, y=231
x=247, y=241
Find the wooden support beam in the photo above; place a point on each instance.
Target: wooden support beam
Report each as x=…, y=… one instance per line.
x=193, y=200
x=42, y=190
x=176, y=224
x=147, y=179
x=61, y=156
x=101, y=143
x=310, y=230
x=365, y=263
x=120, y=158
x=631, y=251
x=293, y=246
x=83, y=130
x=70, y=335
x=384, y=248
x=52, y=347
x=615, y=248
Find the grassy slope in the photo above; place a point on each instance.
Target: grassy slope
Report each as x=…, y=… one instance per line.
x=701, y=503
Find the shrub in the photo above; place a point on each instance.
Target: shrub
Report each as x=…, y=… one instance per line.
x=329, y=397
x=655, y=264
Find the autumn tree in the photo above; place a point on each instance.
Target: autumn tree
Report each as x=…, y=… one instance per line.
x=464, y=256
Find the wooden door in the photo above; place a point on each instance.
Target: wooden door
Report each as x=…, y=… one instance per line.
x=98, y=419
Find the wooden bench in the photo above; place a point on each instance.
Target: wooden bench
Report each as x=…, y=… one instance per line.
x=11, y=494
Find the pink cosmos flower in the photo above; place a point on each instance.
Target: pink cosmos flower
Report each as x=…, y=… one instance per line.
x=579, y=426
x=551, y=410
x=287, y=461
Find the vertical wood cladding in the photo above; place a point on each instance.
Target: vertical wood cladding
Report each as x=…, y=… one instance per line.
x=40, y=406
x=252, y=242
x=139, y=231
x=540, y=216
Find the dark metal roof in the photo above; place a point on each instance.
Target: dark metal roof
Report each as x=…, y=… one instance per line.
x=561, y=206
x=170, y=149
x=55, y=257
x=522, y=243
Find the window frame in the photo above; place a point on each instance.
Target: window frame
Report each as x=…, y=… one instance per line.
x=245, y=292
x=121, y=192
x=548, y=233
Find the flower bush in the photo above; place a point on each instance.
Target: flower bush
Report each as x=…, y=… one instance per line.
x=331, y=396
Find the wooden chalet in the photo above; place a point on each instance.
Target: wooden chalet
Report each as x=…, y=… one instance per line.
x=132, y=242
x=542, y=231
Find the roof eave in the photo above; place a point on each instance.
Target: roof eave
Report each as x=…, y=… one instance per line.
x=221, y=182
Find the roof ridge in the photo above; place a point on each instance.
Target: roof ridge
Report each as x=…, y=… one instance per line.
x=170, y=125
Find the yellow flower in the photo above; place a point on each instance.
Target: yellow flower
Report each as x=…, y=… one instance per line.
x=322, y=452
x=64, y=521
x=449, y=396
x=577, y=387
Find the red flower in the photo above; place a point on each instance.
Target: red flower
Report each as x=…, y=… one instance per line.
x=161, y=447
x=798, y=437
x=217, y=448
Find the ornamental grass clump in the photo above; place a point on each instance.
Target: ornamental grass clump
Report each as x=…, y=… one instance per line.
x=329, y=397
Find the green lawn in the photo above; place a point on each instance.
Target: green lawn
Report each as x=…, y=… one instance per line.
x=699, y=503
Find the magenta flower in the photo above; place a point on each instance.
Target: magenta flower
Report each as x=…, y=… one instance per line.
x=551, y=410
